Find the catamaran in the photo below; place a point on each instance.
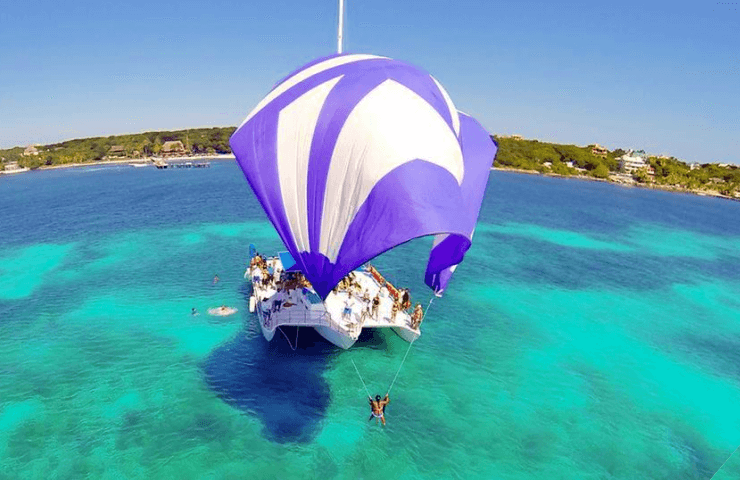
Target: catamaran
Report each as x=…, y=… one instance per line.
x=350, y=156
x=282, y=297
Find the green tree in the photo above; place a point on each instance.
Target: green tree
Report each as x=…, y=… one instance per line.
x=641, y=175
x=99, y=151
x=601, y=171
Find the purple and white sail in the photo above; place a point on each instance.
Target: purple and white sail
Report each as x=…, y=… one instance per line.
x=352, y=155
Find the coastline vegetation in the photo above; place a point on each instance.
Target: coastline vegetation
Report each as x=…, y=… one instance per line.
x=514, y=152
x=196, y=141
x=660, y=172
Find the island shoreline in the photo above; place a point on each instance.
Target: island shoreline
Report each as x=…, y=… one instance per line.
x=219, y=157
x=665, y=188
x=138, y=161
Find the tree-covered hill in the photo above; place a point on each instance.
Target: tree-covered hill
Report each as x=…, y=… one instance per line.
x=513, y=152
x=197, y=141
x=551, y=157
x=669, y=172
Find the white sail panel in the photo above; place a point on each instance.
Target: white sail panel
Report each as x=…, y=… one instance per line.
x=390, y=126
x=296, y=126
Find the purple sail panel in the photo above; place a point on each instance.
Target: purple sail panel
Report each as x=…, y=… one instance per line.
x=448, y=251
x=352, y=155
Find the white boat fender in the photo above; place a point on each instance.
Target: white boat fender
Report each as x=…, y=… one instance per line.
x=252, y=304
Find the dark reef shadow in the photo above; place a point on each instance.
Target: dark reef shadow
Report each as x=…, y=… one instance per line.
x=722, y=355
x=285, y=389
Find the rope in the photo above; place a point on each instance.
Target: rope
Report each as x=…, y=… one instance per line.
x=399, y=369
x=363, y=381
x=408, y=349
x=286, y=337
x=728, y=458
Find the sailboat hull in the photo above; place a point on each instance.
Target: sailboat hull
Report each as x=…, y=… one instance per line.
x=407, y=334
x=337, y=338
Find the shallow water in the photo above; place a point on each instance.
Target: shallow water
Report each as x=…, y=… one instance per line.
x=592, y=332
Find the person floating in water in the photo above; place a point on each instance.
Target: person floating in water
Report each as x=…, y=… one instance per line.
x=377, y=408
x=193, y=311
x=215, y=280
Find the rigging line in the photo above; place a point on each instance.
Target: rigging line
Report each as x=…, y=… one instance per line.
x=286, y=338
x=728, y=458
x=363, y=381
x=408, y=349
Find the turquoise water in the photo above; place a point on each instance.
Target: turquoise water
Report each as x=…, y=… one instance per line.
x=593, y=332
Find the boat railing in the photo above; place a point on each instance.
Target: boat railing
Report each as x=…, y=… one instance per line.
x=296, y=316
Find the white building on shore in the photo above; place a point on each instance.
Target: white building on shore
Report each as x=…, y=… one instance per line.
x=633, y=160
x=13, y=167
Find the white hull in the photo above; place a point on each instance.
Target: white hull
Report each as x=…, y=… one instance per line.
x=267, y=332
x=407, y=334
x=337, y=338
x=339, y=319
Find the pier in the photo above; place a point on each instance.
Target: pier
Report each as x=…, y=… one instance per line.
x=161, y=164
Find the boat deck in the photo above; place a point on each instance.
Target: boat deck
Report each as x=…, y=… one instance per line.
x=346, y=311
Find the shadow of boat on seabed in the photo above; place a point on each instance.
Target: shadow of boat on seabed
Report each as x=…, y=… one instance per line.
x=285, y=389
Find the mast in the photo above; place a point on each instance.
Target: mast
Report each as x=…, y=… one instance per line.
x=341, y=26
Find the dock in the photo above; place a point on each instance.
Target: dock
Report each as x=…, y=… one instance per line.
x=161, y=164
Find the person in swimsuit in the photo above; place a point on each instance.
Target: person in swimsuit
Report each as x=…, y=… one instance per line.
x=417, y=316
x=405, y=300
x=377, y=408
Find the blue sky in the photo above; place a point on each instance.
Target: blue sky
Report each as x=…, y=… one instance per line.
x=661, y=76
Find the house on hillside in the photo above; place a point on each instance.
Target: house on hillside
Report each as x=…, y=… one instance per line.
x=173, y=149
x=117, y=151
x=513, y=137
x=633, y=161
x=599, y=150
x=30, y=150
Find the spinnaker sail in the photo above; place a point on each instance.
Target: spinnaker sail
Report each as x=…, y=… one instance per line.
x=352, y=155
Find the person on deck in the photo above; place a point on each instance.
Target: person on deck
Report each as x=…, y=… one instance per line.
x=377, y=408
x=405, y=300
x=417, y=316
x=347, y=310
x=376, y=304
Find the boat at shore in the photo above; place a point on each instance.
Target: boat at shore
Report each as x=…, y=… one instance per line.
x=282, y=297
